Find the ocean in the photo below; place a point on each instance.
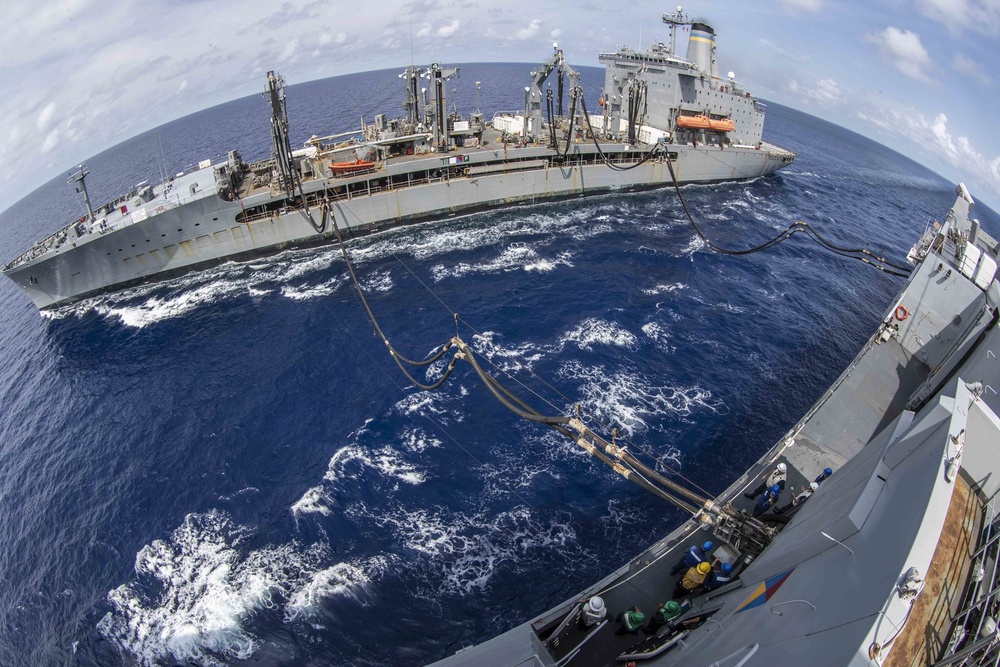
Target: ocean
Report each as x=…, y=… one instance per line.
x=228, y=469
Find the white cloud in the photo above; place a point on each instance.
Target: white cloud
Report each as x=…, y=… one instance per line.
x=325, y=39
x=44, y=121
x=982, y=16
x=341, y=37
x=530, y=31
x=51, y=140
x=184, y=84
x=556, y=34
x=967, y=65
x=450, y=29
x=905, y=50
x=288, y=53
x=803, y=5
x=955, y=149
x=826, y=91
x=425, y=30
x=785, y=53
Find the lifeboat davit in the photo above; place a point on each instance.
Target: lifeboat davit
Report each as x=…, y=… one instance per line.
x=694, y=122
x=341, y=168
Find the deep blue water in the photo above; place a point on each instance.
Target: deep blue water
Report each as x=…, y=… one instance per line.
x=228, y=469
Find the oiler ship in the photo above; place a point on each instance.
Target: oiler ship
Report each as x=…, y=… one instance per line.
x=656, y=106
x=880, y=546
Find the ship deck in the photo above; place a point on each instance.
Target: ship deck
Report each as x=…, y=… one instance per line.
x=825, y=439
x=492, y=143
x=872, y=392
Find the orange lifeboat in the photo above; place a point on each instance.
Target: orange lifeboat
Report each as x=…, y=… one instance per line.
x=724, y=125
x=341, y=168
x=694, y=122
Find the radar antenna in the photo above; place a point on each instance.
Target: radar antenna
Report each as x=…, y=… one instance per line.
x=675, y=20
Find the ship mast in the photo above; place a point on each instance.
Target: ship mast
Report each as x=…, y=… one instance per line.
x=78, y=177
x=675, y=20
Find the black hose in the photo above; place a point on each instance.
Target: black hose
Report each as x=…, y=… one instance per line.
x=607, y=161
x=569, y=132
x=491, y=384
x=371, y=316
x=304, y=210
x=788, y=232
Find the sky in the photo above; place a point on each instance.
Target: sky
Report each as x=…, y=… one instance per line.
x=920, y=76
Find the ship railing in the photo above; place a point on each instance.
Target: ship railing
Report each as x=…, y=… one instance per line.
x=328, y=195
x=51, y=242
x=965, y=620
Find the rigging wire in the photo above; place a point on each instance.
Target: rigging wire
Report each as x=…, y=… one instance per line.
x=792, y=229
x=429, y=418
x=617, y=459
x=603, y=424
x=607, y=161
x=396, y=356
x=877, y=261
x=521, y=409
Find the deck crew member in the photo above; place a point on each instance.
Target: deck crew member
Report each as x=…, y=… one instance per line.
x=666, y=612
x=768, y=500
x=776, y=476
x=721, y=575
x=693, y=556
x=692, y=579
x=594, y=611
x=631, y=621
x=823, y=475
x=799, y=499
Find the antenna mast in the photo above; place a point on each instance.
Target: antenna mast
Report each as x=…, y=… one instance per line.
x=675, y=20
x=78, y=177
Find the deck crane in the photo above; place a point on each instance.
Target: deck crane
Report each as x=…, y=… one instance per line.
x=533, y=98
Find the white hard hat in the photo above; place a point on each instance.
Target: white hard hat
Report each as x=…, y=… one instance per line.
x=596, y=603
x=782, y=467
x=813, y=485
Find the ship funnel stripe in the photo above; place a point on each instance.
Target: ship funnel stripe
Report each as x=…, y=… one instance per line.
x=707, y=40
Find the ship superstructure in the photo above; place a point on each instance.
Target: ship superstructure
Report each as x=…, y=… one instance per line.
x=431, y=163
x=892, y=560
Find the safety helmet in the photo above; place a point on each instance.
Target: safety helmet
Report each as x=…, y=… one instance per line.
x=707, y=546
x=595, y=603
x=673, y=607
x=828, y=471
x=727, y=568
x=704, y=568
x=813, y=485
x=776, y=489
x=782, y=467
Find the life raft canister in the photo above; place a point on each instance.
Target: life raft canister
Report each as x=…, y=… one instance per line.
x=902, y=313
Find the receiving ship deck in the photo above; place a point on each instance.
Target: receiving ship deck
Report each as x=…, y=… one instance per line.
x=824, y=439
x=891, y=374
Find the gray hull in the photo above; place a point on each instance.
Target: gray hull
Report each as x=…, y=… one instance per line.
x=206, y=229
